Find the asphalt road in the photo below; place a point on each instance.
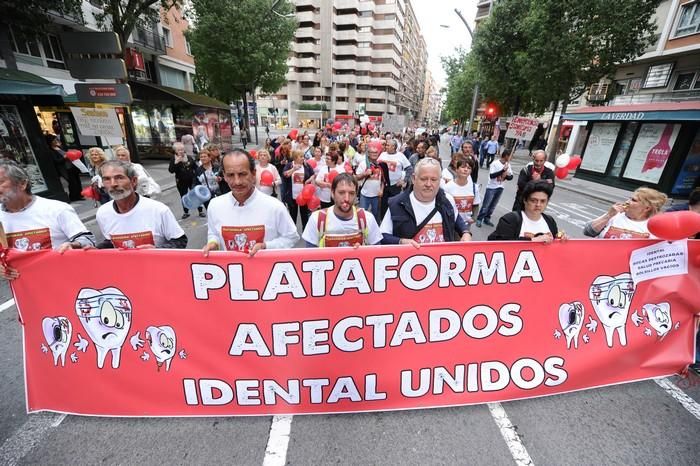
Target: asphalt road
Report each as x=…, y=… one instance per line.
x=637, y=423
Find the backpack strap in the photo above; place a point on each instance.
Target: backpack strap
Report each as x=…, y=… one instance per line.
x=321, y=226
x=362, y=223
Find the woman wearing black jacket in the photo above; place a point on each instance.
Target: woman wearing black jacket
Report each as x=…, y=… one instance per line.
x=296, y=174
x=184, y=168
x=531, y=223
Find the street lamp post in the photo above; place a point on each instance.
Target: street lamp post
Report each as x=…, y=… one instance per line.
x=476, y=86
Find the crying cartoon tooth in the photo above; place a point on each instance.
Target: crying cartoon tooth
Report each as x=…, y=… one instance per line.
x=611, y=298
x=106, y=317
x=163, y=343
x=659, y=317
x=57, y=332
x=571, y=321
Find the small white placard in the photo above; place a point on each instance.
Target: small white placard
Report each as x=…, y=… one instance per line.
x=662, y=259
x=97, y=121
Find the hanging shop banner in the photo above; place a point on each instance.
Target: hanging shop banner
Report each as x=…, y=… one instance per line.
x=172, y=333
x=101, y=122
x=651, y=151
x=600, y=146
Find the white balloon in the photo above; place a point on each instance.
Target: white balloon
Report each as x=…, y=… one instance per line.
x=562, y=161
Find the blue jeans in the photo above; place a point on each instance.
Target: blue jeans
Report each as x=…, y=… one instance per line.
x=371, y=204
x=488, y=205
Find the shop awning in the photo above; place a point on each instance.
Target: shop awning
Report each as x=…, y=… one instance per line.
x=153, y=92
x=22, y=83
x=661, y=111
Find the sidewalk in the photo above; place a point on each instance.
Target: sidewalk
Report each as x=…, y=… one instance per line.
x=601, y=192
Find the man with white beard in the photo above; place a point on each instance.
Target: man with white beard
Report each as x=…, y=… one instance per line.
x=130, y=221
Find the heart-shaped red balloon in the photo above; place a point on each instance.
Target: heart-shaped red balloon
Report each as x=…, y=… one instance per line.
x=673, y=226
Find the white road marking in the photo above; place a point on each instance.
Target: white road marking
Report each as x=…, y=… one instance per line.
x=28, y=436
x=568, y=211
x=680, y=396
x=510, y=435
x=278, y=441
x=7, y=304
x=574, y=206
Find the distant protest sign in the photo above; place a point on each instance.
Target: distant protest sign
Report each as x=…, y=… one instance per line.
x=522, y=128
x=97, y=121
x=172, y=333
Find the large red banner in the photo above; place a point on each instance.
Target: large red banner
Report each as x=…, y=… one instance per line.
x=172, y=333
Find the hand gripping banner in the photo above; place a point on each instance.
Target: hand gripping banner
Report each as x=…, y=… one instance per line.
x=171, y=333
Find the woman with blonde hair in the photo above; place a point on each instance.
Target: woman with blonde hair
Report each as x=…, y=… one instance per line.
x=97, y=157
x=146, y=185
x=264, y=165
x=628, y=220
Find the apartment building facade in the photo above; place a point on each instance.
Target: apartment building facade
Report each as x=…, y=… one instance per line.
x=641, y=126
x=350, y=58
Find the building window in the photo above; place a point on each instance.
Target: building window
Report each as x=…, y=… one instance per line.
x=187, y=47
x=363, y=45
x=44, y=50
x=167, y=37
x=688, y=20
x=658, y=75
x=684, y=81
x=364, y=29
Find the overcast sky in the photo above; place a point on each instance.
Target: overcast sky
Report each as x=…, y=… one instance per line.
x=442, y=41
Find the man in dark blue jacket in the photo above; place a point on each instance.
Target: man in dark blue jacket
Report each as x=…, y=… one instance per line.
x=426, y=214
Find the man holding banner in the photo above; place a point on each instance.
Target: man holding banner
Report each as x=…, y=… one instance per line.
x=31, y=222
x=131, y=221
x=425, y=215
x=247, y=220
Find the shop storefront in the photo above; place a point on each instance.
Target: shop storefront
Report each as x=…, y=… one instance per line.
x=21, y=136
x=162, y=115
x=655, y=145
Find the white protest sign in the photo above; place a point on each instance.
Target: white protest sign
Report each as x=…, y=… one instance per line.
x=663, y=259
x=522, y=128
x=97, y=121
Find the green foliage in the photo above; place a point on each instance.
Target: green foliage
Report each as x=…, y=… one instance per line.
x=461, y=78
x=313, y=107
x=534, y=52
x=29, y=17
x=240, y=46
x=122, y=16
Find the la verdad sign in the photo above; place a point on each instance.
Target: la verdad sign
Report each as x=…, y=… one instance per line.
x=344, y=330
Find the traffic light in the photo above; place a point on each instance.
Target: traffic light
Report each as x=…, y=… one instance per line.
x=490, y=111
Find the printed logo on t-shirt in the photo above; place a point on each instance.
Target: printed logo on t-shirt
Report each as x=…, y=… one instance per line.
x=464, y=204
x=30, y=240
x=242, y=239
x=340, y=241
x=298, y=178
x=132, y=240
x=622, y=233
x=393, y=166
x=528, y=235
x=431, y=233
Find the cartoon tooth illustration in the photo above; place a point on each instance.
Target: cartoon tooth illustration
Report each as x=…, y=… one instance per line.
x=611, y=298
x=162, y=342
x=106, y=317
x=571, y=321
x=659, y=317
x=57, y=332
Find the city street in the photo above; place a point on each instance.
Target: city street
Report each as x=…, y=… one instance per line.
x=649, y=422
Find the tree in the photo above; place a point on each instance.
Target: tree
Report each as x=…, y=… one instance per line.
x=461, y=77
x=542, y=51
x=241, y=46
x=28, y=18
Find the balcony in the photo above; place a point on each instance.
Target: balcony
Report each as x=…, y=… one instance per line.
x=305, y=62
x=345, y=50
x=305, y=47
x=307, y=32
x=345, y=35
x=680, y=96
x=149, y=39
x=341, y=20
x=306, y=16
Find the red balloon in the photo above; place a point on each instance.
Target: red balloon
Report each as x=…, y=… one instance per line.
x=266, y=178
x=574, y=162
x=377, y=145
x=314, y=203
x=293, y=133
x=348, y=167
x=308, y=192
x=312, y=163
x=561, y=172
x=74, y=154
x=89, y=193
x=300, y=200
x=337, y=125
x=332, y=175
x=370, y=127
x=254, y=154
x=673, y=226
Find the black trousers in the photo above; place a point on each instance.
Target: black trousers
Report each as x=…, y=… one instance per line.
x=303, y=211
